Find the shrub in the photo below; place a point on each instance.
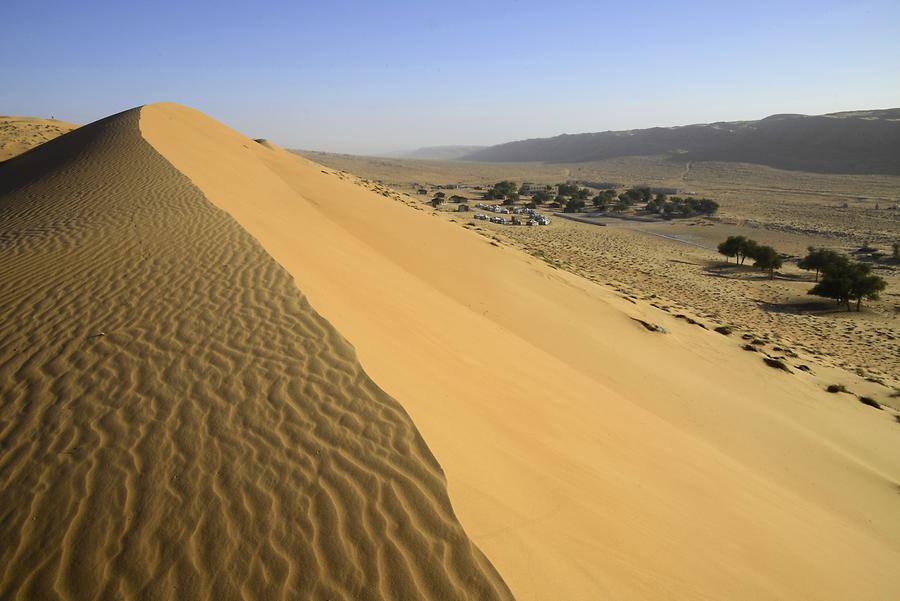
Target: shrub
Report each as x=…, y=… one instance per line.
x=776, y=363
x=835, y=388
x=866, y=400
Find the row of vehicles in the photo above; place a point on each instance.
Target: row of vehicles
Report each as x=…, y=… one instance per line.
x=533, y=219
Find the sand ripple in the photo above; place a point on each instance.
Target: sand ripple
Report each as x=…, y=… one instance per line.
x=177, y=422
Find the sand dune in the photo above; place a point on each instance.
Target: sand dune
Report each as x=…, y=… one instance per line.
x=19, y=134
x=177, y=421
x=587, y=456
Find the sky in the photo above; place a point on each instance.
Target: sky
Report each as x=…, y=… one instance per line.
x=374, y=77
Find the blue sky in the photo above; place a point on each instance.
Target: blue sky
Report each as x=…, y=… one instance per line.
x=378, y=76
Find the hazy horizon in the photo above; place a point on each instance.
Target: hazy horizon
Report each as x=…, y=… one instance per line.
x=365, y=79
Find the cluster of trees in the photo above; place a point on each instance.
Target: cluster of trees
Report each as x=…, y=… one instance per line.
x=681, y=207
x=842, y=279
x=660, y=204
x=573, y=198
x=573, y=191
x=604, y=200
x=742, y=248
x=608, y=200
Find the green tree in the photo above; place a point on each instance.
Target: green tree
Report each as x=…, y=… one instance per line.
x=601, y=202
x=567, y=189
x=749, y=249
x=511, y=198
x=632, y=194
x=574, y=205
x=540, y=197
x=818, y=259
x=739, y=247
x=732, y=247
x=505, y=188
x=767, y=258
x=704, y=206
x=583, y=194
x=622, y=204
x=656, y=205
x=846, y=281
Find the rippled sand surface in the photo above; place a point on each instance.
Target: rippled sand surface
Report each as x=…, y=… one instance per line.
x=177, y=422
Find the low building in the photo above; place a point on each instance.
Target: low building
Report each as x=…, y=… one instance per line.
x=529, y=189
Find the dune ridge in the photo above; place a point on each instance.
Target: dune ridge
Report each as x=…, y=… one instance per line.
x=20, y=134
x=177, y=422
x=586, y=455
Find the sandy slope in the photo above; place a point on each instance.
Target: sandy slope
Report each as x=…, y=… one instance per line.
x=176, y=421
x=19, y=134
x=586, y=456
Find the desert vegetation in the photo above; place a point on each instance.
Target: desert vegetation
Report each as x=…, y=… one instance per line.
x=741, y=248
x=843, y=279
x=572, y=197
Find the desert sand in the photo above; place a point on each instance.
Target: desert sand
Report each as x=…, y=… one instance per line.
x=177, y=421
x=587, y=456
x=20, y=134
x=674, y=264
x=675, y=267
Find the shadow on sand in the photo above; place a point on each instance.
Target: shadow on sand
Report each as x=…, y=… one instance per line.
x=803, y=307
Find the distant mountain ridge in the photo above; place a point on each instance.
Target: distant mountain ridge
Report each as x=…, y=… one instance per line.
x=860, y=142
x=438, y=153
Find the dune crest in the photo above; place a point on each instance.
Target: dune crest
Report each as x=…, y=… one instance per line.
x=586, y=455
x=177, y=421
